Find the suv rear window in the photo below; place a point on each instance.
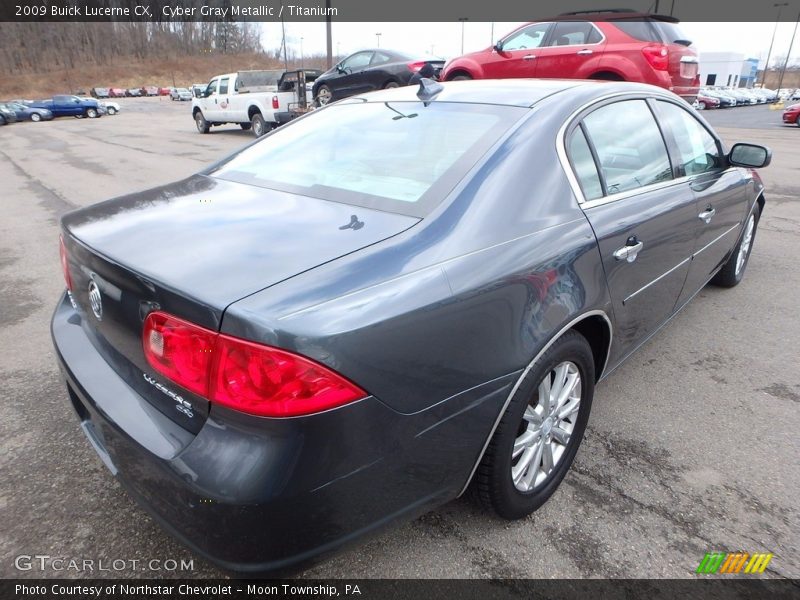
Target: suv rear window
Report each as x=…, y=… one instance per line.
x=652, y=31
x=396, y=156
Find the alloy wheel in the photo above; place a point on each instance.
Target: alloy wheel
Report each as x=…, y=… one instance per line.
x=323, y=96
x=546, y=427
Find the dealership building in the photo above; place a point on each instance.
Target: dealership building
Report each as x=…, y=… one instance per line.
x=727, y=69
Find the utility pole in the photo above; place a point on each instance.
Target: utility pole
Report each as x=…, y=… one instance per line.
x=779, y=6
x=463, y=20
x=788, y=54
x=329, y=44
x=302, y=59
x=378, y=37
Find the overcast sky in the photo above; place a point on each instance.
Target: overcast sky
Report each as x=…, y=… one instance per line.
x=444, y=39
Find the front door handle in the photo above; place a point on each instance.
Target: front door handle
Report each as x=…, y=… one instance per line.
x=707, y=214
x=584, y=52
x=630, y=250
x=529, y=57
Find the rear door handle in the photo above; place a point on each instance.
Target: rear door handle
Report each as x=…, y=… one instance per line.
x=529, y=57
x=584, y=52
x=707, y=214
x=629, y=251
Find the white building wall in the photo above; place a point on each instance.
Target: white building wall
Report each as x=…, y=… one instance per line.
x=725, y=68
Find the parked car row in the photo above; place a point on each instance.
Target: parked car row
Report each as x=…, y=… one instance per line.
x=14, y=111
x=140, y=92
x=62, y=105
x=726, y=97
x=616, y=45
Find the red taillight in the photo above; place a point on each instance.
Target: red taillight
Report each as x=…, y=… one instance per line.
x=261, y=380
x=275, y=103
x=416, y=66
x=248, y=377
x=657, y=55
x=62, y=250
x=179, y=350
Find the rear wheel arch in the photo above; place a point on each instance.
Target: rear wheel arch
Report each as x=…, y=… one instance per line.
x=252, y=110
x=595, y=326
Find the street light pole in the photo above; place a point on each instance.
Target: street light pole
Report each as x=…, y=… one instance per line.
x=788, y=54
x=772, y=42
x=378, y=37
x=463, y=20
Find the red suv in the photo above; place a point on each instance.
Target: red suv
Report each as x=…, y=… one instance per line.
x=615, y=45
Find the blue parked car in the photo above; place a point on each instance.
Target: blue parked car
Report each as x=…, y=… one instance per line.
x=69, y=106
x=24, y=112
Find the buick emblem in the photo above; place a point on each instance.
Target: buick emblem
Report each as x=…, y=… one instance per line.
x=95, y=300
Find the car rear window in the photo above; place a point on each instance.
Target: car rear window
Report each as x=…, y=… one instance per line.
x=652, y=31
x=396, y=156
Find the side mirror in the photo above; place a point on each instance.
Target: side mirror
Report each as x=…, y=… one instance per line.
x=753, y=156
x=498, y=46
x=339, y=68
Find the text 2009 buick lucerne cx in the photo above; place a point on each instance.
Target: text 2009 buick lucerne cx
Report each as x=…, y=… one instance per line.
x=392, y=299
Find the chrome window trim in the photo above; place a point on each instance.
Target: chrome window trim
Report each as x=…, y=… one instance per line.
x=563, y=157
x=527, y=369
x=595, y=27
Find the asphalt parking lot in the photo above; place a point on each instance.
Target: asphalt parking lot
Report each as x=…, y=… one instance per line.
x=692, y=445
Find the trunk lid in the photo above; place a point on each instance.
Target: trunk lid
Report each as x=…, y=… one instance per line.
x=191, y=249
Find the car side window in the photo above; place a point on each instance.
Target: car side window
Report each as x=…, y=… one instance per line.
x=380, y=58
x=580, y=155
x=528, y=37
x=573, y=33
x=223, y=86
x=698, y=150
x=628, y=145
x=357, y=62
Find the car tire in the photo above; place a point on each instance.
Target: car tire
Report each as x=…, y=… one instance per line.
x=733, y=270
x=246, y=126
x=111, y=110
x=200, y=122
x=390, y=85
x=461, y=77
x=36, y=117
x=91, y=113
x=701, y=106
x=324, y=95
x=258, y=125
x=529, y=431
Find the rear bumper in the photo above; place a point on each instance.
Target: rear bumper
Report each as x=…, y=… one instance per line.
x=255, y=495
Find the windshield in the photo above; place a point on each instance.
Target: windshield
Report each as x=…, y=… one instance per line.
x=183, y=91
x=396, y=156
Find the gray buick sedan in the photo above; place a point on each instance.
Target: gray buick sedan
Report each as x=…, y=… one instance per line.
x=392, y=300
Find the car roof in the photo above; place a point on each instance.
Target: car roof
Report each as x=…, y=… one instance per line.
x=509, y=92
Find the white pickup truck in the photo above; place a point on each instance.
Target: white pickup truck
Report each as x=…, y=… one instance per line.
x=256, y=100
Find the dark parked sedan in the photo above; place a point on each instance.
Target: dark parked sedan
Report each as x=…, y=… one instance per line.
x=24, y=112
x=369, y=70
x=7, y=115
x=278, y=355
